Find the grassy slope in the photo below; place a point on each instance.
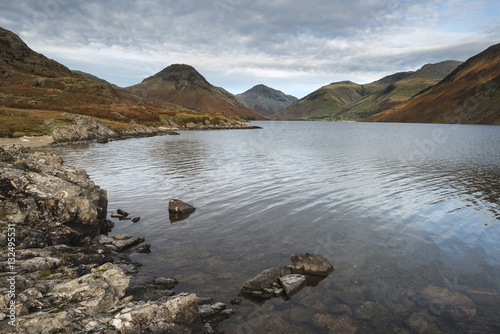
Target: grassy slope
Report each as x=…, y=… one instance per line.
x=470, y=94
x=350, y=101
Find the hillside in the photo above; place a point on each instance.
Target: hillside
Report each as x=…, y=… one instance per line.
x=183, y=85
x=470, y=94
x=350, y=101
x=265, y=100
x=29, y=80
x=38, y=94
x=327, y=103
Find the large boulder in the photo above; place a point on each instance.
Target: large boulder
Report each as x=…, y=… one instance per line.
x=84, y=128
x=50, y=203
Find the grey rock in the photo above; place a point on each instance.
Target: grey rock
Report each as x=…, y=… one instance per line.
x=258, y=285
x=181, y=310
x=292, y=283
x=93, y=293
x=313, y=264
x=179, y=207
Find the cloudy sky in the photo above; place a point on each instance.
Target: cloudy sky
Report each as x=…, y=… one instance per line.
x=291, y=45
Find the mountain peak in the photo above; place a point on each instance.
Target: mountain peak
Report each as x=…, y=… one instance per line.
x=178, y=73
x=265, y=100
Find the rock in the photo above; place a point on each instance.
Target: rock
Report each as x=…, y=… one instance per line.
x=123, y=244
x=312, y=264
x=340, y=324
x=179, y=314
x=50, y=203
x=292, y=283
x=83, y=129
x=117, y=215
x=180, y=207
x=445, y=303
x=236, y=301
x=122, y=212
x=214, y=314
x=262, y=284
x=150, y=289
x=136, y=219
x=146, y=248
x=93, y=293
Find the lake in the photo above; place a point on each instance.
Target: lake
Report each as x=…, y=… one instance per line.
x=408, y=214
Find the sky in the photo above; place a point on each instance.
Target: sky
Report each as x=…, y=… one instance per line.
x=290, y=45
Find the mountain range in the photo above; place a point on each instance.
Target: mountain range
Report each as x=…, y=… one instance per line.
x=265, y=100
x=346, y=100
x=470, y=94
x=183, y=85
x=449, y=92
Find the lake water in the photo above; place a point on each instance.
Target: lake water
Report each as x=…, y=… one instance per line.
x=396, y=208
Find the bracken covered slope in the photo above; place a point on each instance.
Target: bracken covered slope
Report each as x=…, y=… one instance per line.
x=469, y=95
x=183, y=85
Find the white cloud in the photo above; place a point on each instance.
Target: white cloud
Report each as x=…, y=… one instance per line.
x=288, y=43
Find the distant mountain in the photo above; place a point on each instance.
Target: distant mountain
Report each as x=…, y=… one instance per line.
x=265, y=100
x=350, y=101
x=183, y=85
x=470, y=94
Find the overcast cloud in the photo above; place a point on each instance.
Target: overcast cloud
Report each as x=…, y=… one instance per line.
x=294, y=46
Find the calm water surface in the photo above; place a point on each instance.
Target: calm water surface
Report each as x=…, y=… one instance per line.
x=394, y=207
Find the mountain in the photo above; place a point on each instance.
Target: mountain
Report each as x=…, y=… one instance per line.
x=265, y=100
x=183, y=85
x=347, y=100
x=29, y=80
x=470, y=94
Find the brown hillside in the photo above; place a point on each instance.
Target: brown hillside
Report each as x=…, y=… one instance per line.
x=469, y=95
x=183, y=85
x=29, y=80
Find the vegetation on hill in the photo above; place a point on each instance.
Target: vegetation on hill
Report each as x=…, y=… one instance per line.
x=345, y=101
x=470, y=94
x=35, y=90
x=183, y=85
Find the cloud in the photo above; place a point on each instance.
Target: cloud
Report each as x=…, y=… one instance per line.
x=237, y=43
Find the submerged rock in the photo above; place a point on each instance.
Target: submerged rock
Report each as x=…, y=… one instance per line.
x=445, y=303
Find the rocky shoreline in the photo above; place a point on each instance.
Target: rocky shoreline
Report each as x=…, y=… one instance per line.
x=62, y=272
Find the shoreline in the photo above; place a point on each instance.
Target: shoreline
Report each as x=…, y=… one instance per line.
x=70, y=274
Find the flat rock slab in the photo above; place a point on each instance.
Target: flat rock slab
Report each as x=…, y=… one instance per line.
x=265, y=279
x=292, y=283
x=313, y=264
